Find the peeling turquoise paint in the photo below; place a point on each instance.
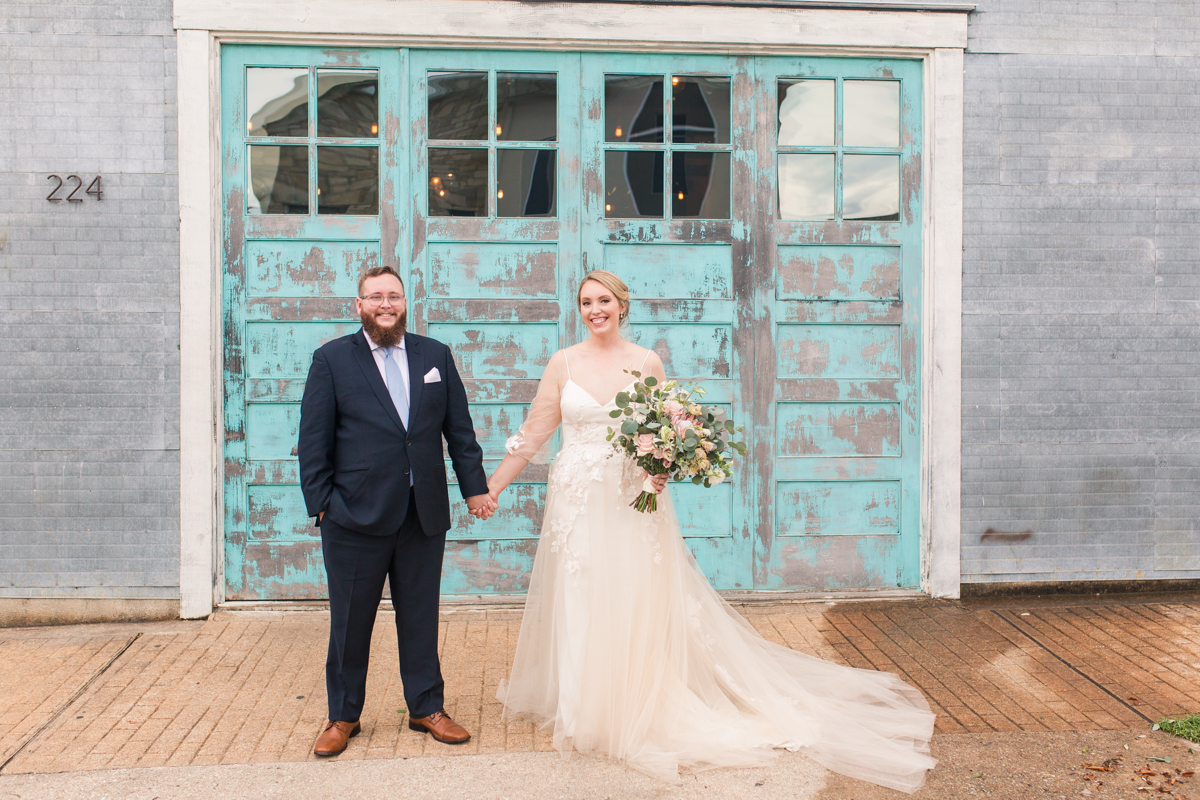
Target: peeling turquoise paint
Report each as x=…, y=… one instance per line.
x=806, y=332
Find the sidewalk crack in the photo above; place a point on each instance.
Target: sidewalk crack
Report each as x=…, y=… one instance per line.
x=1071, y=666
x=70, y=701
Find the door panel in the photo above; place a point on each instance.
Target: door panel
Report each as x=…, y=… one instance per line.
x=299, y=228
x=842, y=259
x=488, y=270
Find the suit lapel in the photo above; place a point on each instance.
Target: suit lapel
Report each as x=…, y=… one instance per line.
x=362, y=352
x=416, y=375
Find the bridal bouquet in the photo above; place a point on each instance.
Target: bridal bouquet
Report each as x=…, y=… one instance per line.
x=666, y=432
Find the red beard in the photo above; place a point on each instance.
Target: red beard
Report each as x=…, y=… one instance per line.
x=384, y=337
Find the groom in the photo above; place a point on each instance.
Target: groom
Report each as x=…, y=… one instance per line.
x=376, y=406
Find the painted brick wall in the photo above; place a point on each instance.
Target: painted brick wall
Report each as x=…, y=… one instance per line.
x=1081, y=351
x=89, y=302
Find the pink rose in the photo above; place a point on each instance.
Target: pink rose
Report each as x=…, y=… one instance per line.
x=682, y=425
x=645, y=444
x=673, y=408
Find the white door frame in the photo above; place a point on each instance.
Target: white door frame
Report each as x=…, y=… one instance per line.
x=935, y=34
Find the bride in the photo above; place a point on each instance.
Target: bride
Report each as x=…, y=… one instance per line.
x=626, y=649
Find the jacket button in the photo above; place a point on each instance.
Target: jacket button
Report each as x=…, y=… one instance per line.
x=406, y=471
x=408, y=443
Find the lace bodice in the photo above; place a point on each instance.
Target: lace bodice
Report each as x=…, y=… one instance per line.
x=562, y=400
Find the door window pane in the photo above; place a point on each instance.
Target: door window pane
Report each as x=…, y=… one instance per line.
x=806, y=186
x=348, y=103
x=871, y=187
x=805, y=113
x=458, y=182
x=700, y=185
x=526, y=182
x=526, y=107
x=872, y=113
x=276, y=101
x=633, y=108
x=278, y=179
x=633, y=184
x=348, y=180
x=458, y=105
x=699, y=110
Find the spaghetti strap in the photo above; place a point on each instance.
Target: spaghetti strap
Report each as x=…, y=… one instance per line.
x=644, y=360
x=566, y=363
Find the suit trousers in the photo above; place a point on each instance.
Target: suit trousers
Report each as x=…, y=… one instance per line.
x=356, y=565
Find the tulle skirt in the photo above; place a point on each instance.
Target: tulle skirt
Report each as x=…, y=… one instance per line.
x=625, y=649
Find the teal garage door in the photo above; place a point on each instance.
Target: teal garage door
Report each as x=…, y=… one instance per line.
x=764, y=211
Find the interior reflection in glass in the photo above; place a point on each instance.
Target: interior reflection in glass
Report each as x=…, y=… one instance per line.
x=872, y=113
x=700, y=185
x=458, y=105
x=348, y=103
x=525, y=183
x=806, y=186
x=526, y=107
x=276, y=101
x=699, y=110
x=348, y=180
x=633, y=184
x=458, y=182
x=871, y=187
x=278, y=179
x=633, y=108
x=805, y=113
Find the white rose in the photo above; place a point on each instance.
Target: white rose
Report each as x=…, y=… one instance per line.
x=716, y=478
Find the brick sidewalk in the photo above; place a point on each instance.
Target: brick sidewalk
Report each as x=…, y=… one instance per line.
x=249, y=687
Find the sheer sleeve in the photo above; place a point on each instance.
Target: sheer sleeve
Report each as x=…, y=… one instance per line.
x=545, y=415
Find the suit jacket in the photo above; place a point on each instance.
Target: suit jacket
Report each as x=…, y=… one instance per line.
x=356, y=455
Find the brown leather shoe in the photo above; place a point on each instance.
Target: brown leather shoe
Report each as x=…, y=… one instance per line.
x=444, y=729
x=335, y=737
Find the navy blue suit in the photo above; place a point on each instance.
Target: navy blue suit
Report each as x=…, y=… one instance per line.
x=356, y=462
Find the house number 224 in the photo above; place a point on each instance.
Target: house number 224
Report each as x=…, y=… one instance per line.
x=93, y=188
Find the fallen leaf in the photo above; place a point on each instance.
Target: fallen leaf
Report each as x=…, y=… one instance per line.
x=1161, y=759
x=1097, y=768
x=1133, y=700
x=1187, y=774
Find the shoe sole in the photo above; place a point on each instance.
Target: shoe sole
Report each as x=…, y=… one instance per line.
x=339, y=752
x=423, y=729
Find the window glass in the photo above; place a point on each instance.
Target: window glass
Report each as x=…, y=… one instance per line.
x=348, y=180
x=806, y=186
x=526, y=107
x=278, y=179
x=348, y=103
x=633, y=108
x=526, y=183
x=458, y=105
x=699, y=110
x=700, y=185
x=871, y=187
x=805, y=113
x=276, y=101
x=633, y=184
x=458, y=182
x=872, y=113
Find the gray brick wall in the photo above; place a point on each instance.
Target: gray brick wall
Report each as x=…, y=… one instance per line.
x=89, y=302
x=1081, y=298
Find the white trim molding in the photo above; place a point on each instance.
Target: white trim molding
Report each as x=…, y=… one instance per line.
x=200, y=305
x=938, y=37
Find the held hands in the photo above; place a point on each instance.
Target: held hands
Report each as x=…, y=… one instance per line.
x=481, y=506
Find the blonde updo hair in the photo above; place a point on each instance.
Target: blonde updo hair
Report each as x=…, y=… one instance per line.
x=611, y=282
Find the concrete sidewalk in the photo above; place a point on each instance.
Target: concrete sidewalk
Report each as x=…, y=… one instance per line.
x=1021, y=689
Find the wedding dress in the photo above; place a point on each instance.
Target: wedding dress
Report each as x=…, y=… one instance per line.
x=625, y=648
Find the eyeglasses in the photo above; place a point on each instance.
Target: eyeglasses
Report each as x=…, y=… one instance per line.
x=374, y=300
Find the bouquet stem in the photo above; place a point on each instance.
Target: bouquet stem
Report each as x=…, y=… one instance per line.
x=646, y=502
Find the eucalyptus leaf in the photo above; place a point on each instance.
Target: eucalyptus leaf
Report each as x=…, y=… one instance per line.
x=729, y=425
x=652, y=425
x=696, y=480
x=615, y=414
x=651, y=381
x=629, y=426
x=622, y=399
x=628, y=412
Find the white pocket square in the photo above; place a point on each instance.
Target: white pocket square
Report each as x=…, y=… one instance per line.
x=433, y=376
